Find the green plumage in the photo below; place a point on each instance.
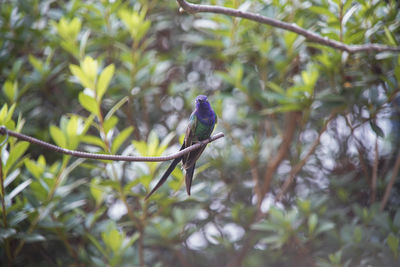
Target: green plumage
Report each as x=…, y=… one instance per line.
x=199, y=130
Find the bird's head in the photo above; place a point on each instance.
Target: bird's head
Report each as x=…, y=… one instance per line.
x=202, y=101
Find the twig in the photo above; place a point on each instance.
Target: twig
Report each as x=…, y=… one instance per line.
x=80, y=154
x=374, y=172
x=300, y=165
x=359, y=146
x=4, y=212
x=309, y=35
x=390, y=184
x=291, y=124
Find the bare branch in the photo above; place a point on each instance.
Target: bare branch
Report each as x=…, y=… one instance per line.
x=309, y=35
x=374, y=172
x=391, y=183
x=80, y=154
x=290, y=126
x=296, y=169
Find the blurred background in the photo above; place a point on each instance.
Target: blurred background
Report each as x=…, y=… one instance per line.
x=306, y=175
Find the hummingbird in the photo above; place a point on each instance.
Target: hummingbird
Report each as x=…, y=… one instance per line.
x=201, y=124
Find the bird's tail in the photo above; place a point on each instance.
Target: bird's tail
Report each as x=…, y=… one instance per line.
x=189, y=178
x=166, y=174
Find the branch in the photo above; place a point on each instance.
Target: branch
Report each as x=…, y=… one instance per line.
x=391, y=183
x=290, y=125
x=296, y=169
x=309, y=35
x=80, y=154
x=374, y=172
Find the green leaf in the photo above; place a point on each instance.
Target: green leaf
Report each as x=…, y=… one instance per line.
x=97, y=244
x=89, y=67
x=120, y=139
x=6, y=233
x=11, y=177
x=94, y=140
x=113, y=239
x=325, y=226
x=104, y=80
x=393, y=243
x=319, y=10
x=304, y=205
x=30, y=238
x=135, y=22
x=58, y=136
x=33, y=168
x=275, y=88
x=10, y=89
x=85, y=81
x=3, y=113
x=264, y=226
x=16, y=152
x=72, y=126
x=17, y=190
x=379, y=132
x=89, y=103
x=110, y=123
x=68, y=30
x=116, y=107
x=36, y=63
x=349, y=13
x=357, y=234
x=390, y=36
x=310, y=77
x=152, y=143
x=312, y=222
x=97, y=191
x=273, y=239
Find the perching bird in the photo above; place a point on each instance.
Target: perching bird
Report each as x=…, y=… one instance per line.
x=201, y=125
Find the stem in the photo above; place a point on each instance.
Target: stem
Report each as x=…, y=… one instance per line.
x=391, y=183
x=121, y=192
x=273, y=164
x=375, y=172
x=4, y=212
x=37, y=218
x=296, y=169
x=58, y=180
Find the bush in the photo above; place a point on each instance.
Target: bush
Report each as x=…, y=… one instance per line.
x=306, y=174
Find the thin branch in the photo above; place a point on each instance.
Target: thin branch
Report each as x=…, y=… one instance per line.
x=296, y=169
x=390, y=184
x=80, y=154
x=309, y=35
x=4, y=212
x=291, y=125
x=374, y=172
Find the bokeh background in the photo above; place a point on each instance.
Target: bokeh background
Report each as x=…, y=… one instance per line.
x=306, y=175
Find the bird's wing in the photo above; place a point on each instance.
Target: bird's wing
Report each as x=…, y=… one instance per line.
x=193, y=157
x=166, y=174
x=190, y=135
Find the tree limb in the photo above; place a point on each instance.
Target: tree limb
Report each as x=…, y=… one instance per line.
x=309, y=35
x=296, y=169
x=290, y=125
x=391, y=183
x=80, y=154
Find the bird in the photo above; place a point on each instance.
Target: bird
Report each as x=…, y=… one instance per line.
x=201, y=124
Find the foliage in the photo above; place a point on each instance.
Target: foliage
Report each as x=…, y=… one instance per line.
x=119, y=77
